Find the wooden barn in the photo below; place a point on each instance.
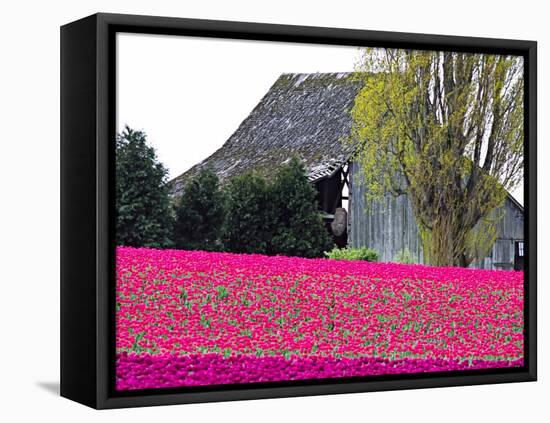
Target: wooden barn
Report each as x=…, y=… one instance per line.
x=307, y=115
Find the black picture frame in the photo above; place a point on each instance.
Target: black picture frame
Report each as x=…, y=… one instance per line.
x=88, y=60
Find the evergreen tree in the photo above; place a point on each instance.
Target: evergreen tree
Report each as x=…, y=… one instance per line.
x=200, y=214
x=299, y=229
x=143, y=209
x=250, y=218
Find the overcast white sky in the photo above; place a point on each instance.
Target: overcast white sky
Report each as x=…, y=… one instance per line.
x=190, y=94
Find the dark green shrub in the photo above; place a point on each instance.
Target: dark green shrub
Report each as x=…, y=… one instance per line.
x=250, y=219
x=298, y=229
x=200, y=214
x=143, y=211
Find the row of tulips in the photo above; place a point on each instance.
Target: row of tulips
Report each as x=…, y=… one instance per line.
x=145, y=371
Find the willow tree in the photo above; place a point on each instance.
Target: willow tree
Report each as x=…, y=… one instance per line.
x=447, y=129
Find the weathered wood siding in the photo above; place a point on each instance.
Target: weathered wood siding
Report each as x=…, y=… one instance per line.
x=389, y=226
x=509, y=231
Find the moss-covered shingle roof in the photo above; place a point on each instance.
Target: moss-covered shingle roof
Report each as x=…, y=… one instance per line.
x=304, y=115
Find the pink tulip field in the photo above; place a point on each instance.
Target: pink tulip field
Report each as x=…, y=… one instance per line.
x=188, y=318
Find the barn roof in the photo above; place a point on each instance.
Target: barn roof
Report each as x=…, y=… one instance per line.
x=303, y=115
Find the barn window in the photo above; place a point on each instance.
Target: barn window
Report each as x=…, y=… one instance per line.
x=520, y=249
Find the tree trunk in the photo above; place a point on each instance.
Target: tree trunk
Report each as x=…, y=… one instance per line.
x=446, y=243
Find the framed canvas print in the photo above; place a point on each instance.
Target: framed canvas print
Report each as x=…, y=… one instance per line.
x=255, y=211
